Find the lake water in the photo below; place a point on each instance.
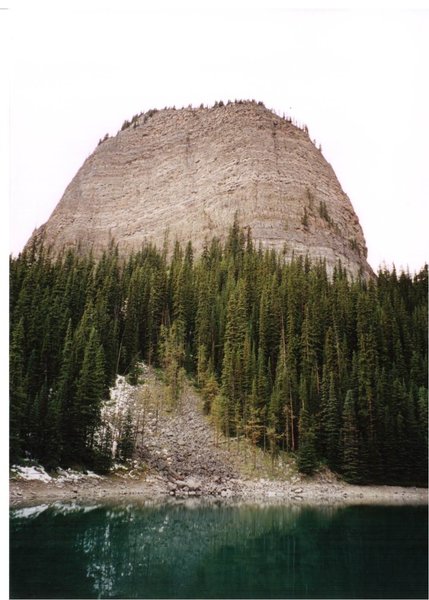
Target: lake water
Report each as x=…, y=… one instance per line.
x=218, y=551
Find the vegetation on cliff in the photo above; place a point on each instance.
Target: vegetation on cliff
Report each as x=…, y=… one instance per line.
x=332, y=370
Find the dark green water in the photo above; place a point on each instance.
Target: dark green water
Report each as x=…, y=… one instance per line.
x=218, y=551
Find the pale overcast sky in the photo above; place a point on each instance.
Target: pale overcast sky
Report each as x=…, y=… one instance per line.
x=357, y=78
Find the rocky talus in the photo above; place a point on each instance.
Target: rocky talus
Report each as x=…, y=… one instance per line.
x=185, y=174
x=181, y=447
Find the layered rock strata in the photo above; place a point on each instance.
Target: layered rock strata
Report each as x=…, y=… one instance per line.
x=184, y=174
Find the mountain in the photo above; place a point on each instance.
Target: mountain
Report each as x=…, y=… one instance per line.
x=185, y=174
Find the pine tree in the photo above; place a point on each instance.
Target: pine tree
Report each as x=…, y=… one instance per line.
x=367, y=369
x=255, y=423
x=234, y=369
x=156, y=311
x=131, y=335
x=17, y=386
x=126, y=441
x=209, y=392
x=102, y=458
x=65, y=394
x=172, y=355
x=308, y=360
x=332, y=424
x=90, y=390
x=350, y=441
x=307, y=457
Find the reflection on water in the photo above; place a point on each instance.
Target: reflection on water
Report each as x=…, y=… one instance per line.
x=218, y=551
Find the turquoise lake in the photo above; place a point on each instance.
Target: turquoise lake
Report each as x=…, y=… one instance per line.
x=199, y=550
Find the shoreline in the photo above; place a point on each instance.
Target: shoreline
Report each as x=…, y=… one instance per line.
x=181, y=459
x=158, y=489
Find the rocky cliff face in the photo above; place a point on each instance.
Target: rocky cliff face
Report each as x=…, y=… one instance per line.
x=187, y=172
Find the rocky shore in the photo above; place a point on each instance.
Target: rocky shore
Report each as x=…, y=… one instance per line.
x=179, y=455
x=134, y=484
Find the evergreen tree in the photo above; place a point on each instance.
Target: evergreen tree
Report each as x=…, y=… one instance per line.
x=331, y=422
x=90, y=390
x=126, y=441
x=350, y=441
x=102, y=458
x=172, y=355
x=233, y=372
x=65, y=394
x=17, y=386
x=209, y=392
x=307, y=457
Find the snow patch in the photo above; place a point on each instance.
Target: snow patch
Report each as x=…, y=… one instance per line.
x=59, y=508
x=65, y=508
x=122, y=397
x=30, y=511
x=38, y=473
x=34, y=473
x=71, y=476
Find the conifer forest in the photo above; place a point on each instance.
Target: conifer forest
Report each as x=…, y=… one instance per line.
x=330, y=369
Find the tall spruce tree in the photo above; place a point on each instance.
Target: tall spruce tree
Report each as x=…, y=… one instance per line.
x=90, y=391
x=17, y=387
x=350, y=440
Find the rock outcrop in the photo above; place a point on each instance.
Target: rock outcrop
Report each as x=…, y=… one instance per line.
x=186, y=173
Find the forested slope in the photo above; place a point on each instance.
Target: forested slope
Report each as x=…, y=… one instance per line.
x=330, y=369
